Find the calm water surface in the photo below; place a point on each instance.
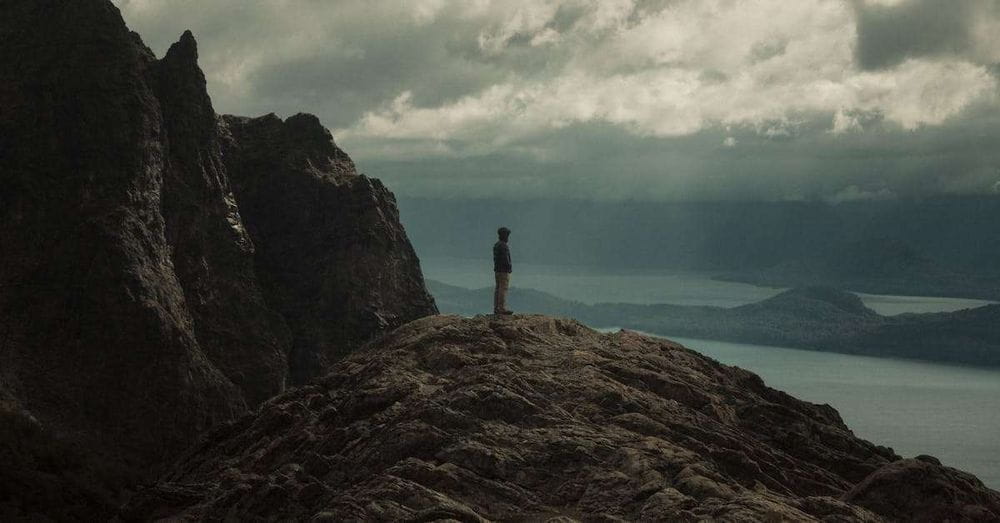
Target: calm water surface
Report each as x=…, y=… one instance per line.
x=946, y=411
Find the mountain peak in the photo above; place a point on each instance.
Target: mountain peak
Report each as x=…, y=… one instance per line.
x=184, y=50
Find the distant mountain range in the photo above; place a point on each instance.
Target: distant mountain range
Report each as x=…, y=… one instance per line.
x=814, y=318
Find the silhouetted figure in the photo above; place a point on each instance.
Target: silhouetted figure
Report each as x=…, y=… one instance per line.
x=502, y=268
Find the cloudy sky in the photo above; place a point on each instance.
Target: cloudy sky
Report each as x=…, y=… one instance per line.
x=648, y=99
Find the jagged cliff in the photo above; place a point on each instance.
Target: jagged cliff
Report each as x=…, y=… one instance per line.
x=531, y=418
x=161, y=269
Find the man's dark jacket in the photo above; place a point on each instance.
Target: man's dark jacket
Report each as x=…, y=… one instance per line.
x=501, y=257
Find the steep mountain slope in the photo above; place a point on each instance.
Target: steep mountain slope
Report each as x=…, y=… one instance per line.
x=531, y=417
x=140, y=301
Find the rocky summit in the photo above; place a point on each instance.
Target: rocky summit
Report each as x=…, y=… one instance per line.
x=163, y=269
x=536, y=418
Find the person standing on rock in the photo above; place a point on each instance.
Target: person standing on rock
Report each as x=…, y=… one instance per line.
x=502, y=268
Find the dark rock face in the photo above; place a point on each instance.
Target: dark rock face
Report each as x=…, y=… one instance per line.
x=921, y=489
x=211, y=250
x=331, y=254
x=97, y=335
x=42, y=475
x=137, y=307
x=525, y=417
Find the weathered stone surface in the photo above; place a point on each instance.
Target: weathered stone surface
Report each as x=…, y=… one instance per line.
x=136, y=310
x=921, y=489
x=524, y=417
x=331, y=253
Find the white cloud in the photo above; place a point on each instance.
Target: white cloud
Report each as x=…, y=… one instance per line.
x=921, y=92
x=845, y=122
x=853, y=193
x=661, y=76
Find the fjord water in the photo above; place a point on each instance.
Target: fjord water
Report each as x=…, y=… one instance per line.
x=950, y=412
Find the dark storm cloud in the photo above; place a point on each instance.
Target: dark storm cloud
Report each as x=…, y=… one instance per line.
x=428, y=65
x=882, y=161
x=889, y=34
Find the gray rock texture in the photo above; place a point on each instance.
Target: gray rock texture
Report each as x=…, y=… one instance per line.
x=532, y=418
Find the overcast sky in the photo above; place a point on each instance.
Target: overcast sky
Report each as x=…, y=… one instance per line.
x=648, y=99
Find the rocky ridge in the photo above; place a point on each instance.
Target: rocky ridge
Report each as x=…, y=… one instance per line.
x=140, y=301
x=537, y=418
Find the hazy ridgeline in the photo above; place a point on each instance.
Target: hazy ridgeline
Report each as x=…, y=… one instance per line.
x=953, y=234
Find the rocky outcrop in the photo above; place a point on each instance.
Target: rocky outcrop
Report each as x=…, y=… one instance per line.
x=332, y=256
x=531, y=417
x=140, y=301
x=923, y=490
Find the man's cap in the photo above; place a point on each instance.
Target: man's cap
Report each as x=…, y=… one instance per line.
x=503, y=230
